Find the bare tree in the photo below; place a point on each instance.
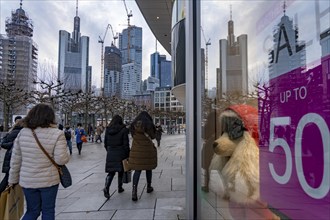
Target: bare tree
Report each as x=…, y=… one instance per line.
x=12, y=98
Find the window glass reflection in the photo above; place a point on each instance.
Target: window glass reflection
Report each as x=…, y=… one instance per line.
x=265, y=121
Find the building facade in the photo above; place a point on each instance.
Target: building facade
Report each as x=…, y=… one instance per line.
x=130, y=46
x=160, y=68
x=73, y=59
x=18, y=55
x=233, y=71
x=112, y=71
x=165, y=101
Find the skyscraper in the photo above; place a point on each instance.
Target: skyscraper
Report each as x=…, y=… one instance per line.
x=287, y=53
x=112, y=71
x=73, y=59
x=160, y=68
x=18, y=53
x=130, y=46
x=233, y=71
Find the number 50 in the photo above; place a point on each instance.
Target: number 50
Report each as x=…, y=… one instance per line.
x=323, y=189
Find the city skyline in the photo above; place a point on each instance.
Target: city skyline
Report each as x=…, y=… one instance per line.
x=214, y=15
x=49, y=17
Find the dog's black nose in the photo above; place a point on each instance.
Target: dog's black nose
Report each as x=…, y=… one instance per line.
x=215, y=144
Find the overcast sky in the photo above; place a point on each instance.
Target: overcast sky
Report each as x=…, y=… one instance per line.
x=257, y=19
x=50, y=16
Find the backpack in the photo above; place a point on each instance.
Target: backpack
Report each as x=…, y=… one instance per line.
x=67, y=134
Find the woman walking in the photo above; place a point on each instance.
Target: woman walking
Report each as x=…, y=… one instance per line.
x=30, y=167
x=116, y=143
x=143, y=154
x=7, y=143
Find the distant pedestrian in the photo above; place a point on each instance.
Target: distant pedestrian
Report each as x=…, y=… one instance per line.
x=116, y=143
x=90, y=132
x=209, y=136
x=159, y=132
x=79, y=132
x=99, y=131
x=68, y=133
x=60, y=126
x=143, y=154
x=7, y=143
x=31, y=168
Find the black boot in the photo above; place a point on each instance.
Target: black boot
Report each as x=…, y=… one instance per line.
x=106, y=187
x=134, y=193
x=120, y=184
x=149, y=188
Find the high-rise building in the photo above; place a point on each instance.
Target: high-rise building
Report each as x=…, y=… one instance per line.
x=18, y=53
x=160, y=68
x=233, y=71
x=112, y=71
x=130, y=46
x=287, y=53
x=73, y=59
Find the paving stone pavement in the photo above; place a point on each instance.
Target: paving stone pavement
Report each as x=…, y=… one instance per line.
x=85, y=200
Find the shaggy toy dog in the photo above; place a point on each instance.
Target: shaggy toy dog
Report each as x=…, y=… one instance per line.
x=238, y=154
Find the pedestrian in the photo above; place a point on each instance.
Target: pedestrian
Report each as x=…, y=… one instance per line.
x=68, y=136
x=99, y=131
x=31, y=168
x=159, y=132
x=143, y=154
x=116, y=143
x=90, y=132
x=79, y=132
x=7, y=143
x=209, y=136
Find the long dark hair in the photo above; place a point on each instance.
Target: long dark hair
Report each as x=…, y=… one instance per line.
x=116, y=120
x=146, y=122
x=41, y=115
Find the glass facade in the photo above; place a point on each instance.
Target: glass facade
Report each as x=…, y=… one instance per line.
x=262, y=144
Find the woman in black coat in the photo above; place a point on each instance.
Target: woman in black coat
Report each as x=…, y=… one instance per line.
x=7, y=143
x=116, y=143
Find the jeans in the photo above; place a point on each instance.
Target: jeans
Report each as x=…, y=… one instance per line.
x=69, y=143
x=40, y=200
x=136, y=176
x=79, y=146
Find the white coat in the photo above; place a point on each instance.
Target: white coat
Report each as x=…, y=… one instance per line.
x=29, y=166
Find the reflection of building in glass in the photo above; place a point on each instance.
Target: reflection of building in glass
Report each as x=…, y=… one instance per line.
x=18, y=52
x=325, y=42
x=73, y=59
x=288, y=52
x=112, y=71
x=130, y=46
x=325, y=60
x=233, y=71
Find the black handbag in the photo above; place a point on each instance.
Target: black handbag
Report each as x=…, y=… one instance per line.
x=63, y=171
x=127, y=177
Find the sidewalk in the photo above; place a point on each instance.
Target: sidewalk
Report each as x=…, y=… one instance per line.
x=85, y=200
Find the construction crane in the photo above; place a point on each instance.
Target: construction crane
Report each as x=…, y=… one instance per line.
x=115, y=37
x=101, y=40
x=207, y=43
x=129, y=15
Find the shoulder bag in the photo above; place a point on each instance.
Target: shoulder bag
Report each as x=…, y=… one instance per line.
x=63, y=171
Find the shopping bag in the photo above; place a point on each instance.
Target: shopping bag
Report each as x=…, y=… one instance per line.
x=126, y=165
x=127, y=177
x=12, y=203
x=83, y=138
x=3, y=201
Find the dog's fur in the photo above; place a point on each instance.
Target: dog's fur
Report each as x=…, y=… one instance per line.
x=240, y=160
